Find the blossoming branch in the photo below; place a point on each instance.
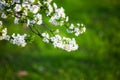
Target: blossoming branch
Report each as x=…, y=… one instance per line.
x=31, y=13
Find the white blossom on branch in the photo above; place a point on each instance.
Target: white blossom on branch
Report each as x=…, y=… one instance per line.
x=33, y=13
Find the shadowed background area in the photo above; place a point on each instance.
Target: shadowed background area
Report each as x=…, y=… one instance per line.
x=96, y=59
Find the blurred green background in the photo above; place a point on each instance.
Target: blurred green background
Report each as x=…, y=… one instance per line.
x=97, y=58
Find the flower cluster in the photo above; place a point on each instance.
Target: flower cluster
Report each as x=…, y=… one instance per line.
x=18, y=40
x=30, y=12
x=37, y=20
x=4, y=35
x=77, y=30
x=61, y=42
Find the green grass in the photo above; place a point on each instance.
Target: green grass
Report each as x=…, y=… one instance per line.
x=97, y=58
x=57, y=67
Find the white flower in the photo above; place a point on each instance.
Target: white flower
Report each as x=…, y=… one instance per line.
x=59, y=13
x=78, y=24
x=4, y=35
x=17, y=8
x=32, y=1
x=16, y=20
x=4, y=31
x=53, y=21
x=49, y=1
x=2, y=6
x=16, y=1
x=55, y=5
x=39, y=22
x=71, y=26
x=57, y=41
x=3, y=15
x=77, y=31
x=82, y=30
x=46, y=40
x=64, y=43
x=57, y=31
x=19, y=40
x=69, y=31
x=34, y=8
x=7, y=37
x=50, y=9
x=38, y=18
x=67, y=19
x=30, y=22
x=1, y=24
x=26, y=5
x=25, y=12
x=82, y=24
x=71, y=45
x=25, y=1
x=45, y=37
